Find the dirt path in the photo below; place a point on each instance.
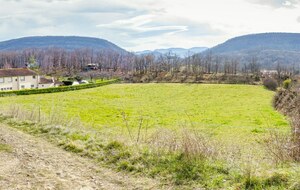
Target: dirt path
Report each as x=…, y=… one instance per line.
x=34, y=163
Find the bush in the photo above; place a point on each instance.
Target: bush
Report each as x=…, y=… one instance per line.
x=270, y=84
x=287, y=84
x=67, y=82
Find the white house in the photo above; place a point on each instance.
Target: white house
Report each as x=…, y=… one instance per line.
x=18, y=79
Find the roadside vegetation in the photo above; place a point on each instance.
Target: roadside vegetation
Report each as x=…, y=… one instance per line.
x=207, y=139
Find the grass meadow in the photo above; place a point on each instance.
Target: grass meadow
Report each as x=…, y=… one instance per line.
x=223, y=110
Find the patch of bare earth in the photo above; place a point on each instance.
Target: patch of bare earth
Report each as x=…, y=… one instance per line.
x=34, y=163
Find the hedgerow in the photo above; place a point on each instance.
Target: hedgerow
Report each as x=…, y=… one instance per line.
x=57, y=89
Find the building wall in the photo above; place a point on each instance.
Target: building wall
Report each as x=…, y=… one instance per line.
x=15, y=83
x=5, y=83
x=46, y=85
x=30, y=82
x=19, y=83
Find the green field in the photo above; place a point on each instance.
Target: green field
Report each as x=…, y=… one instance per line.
x=226, y=110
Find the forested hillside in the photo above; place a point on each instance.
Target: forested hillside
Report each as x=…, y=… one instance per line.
x=269, y=49
x=63, y=42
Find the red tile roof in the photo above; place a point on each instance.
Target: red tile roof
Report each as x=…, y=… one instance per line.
x=16, y=72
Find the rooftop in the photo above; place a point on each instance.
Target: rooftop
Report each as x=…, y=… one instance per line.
x=45, y=81
x=17, y=72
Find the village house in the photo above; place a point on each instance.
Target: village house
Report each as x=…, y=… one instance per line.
x=268, y=72
x=22, y=78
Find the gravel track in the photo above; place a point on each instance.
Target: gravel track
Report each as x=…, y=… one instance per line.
x=34, y=163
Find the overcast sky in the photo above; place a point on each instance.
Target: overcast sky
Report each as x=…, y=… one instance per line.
x=148, y=24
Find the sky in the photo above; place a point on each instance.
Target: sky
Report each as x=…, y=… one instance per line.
x=137, y=25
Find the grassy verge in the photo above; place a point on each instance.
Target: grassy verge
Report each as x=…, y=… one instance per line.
x=176, y=167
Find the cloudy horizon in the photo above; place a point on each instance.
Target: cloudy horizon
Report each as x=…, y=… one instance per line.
x=152, y=24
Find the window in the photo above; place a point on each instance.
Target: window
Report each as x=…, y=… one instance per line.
x=22, y=86
x=4, y=89
x=1, y=80
x=9, y=79
x=32, y=86
x=33, y=77
x=22, y=78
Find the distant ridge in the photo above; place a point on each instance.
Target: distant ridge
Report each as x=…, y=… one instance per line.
x=63, y=42
x=181, y=52
x=268, y=49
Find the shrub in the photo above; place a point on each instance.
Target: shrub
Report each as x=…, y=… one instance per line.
x=287, y=84
x=285, y=148
x=270, y=84
x=67, y=82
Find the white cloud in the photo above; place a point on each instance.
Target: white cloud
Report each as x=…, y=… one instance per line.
x=149, y=24
x=278, y=3
x=143, y=26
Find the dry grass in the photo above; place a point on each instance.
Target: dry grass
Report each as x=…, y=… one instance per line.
x=35, y=115
x=279, y=146
x=191, y=143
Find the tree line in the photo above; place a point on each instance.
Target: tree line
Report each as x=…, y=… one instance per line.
x=60, y=62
